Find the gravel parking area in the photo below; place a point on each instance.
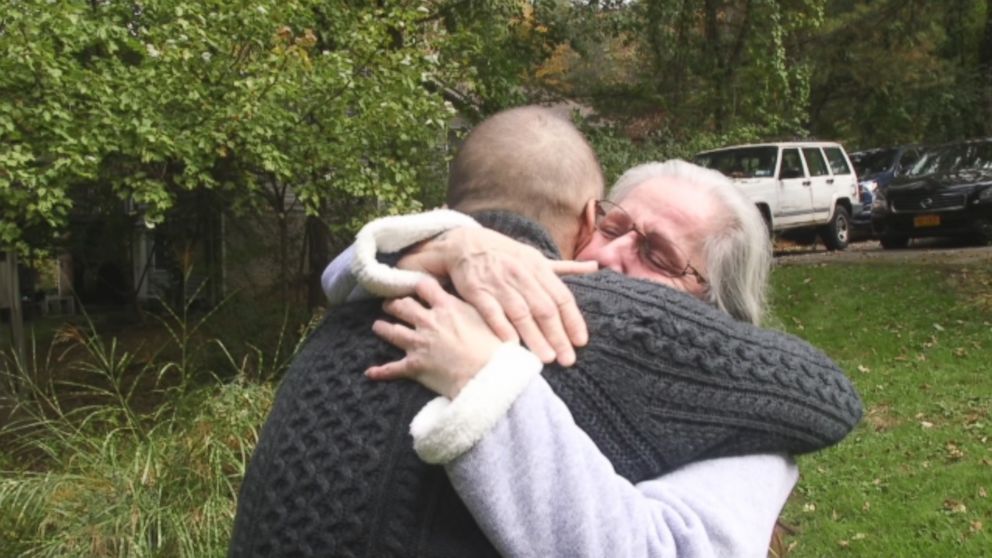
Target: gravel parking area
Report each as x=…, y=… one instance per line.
x=925, y=250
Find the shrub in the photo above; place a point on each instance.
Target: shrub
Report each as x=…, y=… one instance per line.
x=110, y=455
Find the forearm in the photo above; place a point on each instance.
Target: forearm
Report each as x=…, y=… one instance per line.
x=772, y=391
x=338, y=282
x=393, y=234
x=357, y=273
x=538, y=486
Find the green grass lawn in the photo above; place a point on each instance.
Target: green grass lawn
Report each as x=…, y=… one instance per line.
x=914, y=478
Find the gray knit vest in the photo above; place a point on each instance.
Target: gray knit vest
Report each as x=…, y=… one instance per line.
x=665, y=380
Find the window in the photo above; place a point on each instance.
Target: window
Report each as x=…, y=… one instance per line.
x=908, y=159
x=792, y=165
x=814, y=160
x=838, y=164
x=748, y=162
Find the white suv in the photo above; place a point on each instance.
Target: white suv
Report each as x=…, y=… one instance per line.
x=796, y=185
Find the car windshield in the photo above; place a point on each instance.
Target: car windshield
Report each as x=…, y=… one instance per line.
x=954, y=158
x=744, y=162
x=868, y=163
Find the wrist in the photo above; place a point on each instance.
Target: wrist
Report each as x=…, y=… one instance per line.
x=446, y=428
x=473, y=366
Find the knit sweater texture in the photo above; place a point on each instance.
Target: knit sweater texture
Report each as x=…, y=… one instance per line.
x=665, y=380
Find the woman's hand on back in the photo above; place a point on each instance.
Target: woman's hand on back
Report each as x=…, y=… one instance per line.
x=446, y=342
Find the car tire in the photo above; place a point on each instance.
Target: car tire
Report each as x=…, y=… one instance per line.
x=894, y=242
x=983, y=237
x=838, y=231
x=767, y=218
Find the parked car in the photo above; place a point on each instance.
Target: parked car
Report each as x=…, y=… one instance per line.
x=803, y=186
x=948, y=192
x=876, y=168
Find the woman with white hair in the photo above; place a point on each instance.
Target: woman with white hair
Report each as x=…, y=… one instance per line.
x=732, y=242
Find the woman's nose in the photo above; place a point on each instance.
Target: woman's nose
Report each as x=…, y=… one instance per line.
x=617, y=254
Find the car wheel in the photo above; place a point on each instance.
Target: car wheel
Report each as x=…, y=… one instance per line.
x=767, y=218
x=984, y=235
x=838, y=231
x=894, y=242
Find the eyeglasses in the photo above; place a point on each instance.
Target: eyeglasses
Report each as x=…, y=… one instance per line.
x=613, y=221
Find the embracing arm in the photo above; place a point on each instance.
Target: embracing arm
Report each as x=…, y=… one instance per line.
x=770, y=391
x=534, y=481
x=338, y=282
x=538, y=486
x=515, y=288
x=357, y=273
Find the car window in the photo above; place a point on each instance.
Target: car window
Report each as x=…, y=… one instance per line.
x=908, y=158
x=952, y=158
x=814, y=160
x=838, y=164
x=792, y=165
x=745, y=162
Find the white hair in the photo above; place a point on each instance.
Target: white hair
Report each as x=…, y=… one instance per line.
x=737, y=250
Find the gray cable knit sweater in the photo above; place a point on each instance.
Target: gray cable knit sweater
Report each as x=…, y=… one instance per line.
x=665, y=380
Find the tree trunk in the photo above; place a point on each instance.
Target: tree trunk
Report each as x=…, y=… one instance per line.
x=713, y=52
x=284, y=256
x=10, y=300
x=985, y=65
x=318, y=257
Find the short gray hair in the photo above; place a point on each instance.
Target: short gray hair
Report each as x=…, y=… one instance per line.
x=738, y=251
x=528, y=160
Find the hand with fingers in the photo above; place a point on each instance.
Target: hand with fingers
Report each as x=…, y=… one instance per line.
x=514, y=287
x=446, y=342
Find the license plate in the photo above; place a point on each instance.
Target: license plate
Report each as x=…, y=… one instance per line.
x=926, y=221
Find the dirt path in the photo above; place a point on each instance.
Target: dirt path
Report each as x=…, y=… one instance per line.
x=923, y=250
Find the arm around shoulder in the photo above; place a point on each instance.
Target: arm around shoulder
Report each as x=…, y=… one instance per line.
x=538, y=486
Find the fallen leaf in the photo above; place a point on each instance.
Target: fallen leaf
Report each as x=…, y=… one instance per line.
x=982, y=493
x=843, y=543
x=954, y=453
x=926, y=424
x=938, y=327
x=809, y=507
x=863, y=369
x=954, y=506
x=859, y=536
x=976, y=526
x=867, y=506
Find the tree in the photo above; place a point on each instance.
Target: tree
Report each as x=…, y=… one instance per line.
x=250, y=100
x=678, y=70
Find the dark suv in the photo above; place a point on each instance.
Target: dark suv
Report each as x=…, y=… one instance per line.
x=948, y=192
x=876, y=169
x=882, y=165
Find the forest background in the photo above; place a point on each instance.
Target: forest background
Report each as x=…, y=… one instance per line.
x=342, y=110
x=126, y=432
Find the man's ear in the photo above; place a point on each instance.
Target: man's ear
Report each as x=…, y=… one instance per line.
x=587, y=225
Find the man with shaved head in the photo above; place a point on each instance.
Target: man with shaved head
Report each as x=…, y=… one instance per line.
x=664, y=380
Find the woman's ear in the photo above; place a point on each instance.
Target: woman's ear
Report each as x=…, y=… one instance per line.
x=587, y=225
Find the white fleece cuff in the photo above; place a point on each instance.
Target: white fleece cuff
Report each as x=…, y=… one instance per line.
x=390, y=234
x=444, y=429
